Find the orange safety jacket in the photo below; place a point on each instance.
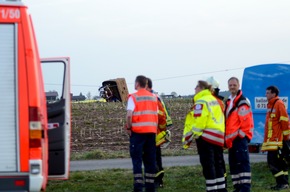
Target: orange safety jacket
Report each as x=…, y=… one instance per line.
x=276, y=125
x=161, y=118
x=221, y=103
x=239, y=120
x=144, y=117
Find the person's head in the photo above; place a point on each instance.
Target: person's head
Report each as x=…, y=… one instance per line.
x=233, y=85
x=216, y=91
x=149, y=84
x=215, y=85
x=202, y=85
x=140, y=82
x=271, y=92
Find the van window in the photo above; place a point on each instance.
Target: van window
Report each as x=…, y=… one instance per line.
x=53, y=74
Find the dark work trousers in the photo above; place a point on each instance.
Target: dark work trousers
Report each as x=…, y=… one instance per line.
x=239, y=162
x=212, y=161
x=159, y=168
x=278, y=167
x=143, y=147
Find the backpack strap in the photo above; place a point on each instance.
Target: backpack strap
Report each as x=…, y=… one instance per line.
x=273, y=105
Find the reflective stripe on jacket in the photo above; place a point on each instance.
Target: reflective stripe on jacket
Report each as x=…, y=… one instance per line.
x=276, y=125
x=187, y=137
x=209, y=121
x=144, y=117
x=239, y=121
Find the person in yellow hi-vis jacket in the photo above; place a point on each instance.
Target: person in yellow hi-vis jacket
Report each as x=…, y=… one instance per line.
x=206, y=124
x=187, y=137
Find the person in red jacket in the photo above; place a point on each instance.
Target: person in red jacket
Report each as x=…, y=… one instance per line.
x=161, y=127
x=276, y=132
x=141, y=124
x=239, y=132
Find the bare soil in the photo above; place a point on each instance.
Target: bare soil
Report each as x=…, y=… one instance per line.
x=100, y=125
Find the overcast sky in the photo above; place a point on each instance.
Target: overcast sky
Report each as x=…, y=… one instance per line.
x=175, y=43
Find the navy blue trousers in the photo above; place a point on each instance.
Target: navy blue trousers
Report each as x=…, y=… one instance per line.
x=213, y=167
x=143, y=149
x=239, y=162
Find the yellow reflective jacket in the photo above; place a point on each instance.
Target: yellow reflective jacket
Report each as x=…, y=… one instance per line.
x=187, y=131
x=209, y=120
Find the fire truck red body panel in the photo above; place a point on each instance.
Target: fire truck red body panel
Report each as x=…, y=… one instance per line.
x=34, y=133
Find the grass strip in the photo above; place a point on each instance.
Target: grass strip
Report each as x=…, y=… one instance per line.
x=177, y=179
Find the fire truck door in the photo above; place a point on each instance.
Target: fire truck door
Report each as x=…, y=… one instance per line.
x=56, y=73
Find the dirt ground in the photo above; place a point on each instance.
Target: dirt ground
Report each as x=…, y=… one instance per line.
x=100, y=125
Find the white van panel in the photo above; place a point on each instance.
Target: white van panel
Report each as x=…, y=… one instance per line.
x=49, y=65
x=8, y=101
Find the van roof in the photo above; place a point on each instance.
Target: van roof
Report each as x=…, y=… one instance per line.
x=11, y=2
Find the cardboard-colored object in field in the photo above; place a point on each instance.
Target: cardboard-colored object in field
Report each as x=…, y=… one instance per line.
x=117, y=89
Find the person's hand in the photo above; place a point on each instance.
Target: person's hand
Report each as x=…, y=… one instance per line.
x=127, y=129
x=129, y=132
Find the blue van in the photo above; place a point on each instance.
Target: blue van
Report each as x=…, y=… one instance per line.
x=254, y=83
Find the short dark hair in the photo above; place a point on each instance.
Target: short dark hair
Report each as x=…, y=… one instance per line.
x=234, y=78
x=273, y=89
x=149, y=83
x=142, y=80
x=216, y=91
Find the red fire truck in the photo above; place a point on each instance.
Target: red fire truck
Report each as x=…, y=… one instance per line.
x=34, y=132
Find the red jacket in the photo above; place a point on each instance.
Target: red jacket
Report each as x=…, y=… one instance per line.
x=144, y=117
x=239, y=120
x=161, y=118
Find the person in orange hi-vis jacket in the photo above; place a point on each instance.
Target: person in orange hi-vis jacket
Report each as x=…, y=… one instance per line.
x=141, y=124
x=276, y=134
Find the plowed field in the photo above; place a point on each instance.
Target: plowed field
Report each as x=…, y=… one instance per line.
x=100, y=125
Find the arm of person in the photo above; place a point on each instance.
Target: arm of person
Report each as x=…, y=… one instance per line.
x=187, y=136
x=130, y=109
x=129, y=119
x=284, y=121
x=161, y=117
x=246, y=118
